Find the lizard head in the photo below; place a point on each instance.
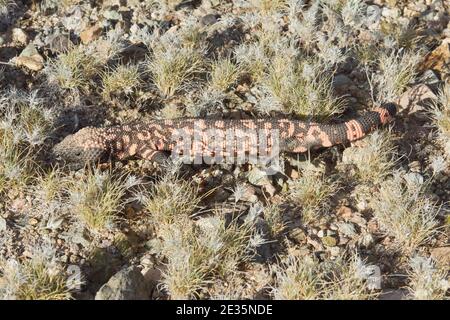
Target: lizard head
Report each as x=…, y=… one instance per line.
x=86, y=146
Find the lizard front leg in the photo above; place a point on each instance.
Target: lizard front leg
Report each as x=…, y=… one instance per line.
x=153, y=155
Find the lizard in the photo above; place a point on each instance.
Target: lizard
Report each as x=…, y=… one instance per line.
x=152, y=140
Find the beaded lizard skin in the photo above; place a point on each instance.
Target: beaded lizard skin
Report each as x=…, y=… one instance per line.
x=151, y=140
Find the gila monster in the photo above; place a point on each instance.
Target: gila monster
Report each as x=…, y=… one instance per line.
x=150, y=140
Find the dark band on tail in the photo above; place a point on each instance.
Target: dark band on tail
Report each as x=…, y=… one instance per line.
x=357, y=128
x=361, y=126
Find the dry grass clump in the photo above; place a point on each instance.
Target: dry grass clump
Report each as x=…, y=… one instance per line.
x=426, y=281
x=124, y=79
x=268, y=7
x=24, y=125
x=39, y=278
x=198, y=253
x=172, y=67
x=304, y=88
x=267, y=32
x=441, y=117
x=305, y=278
x=401, y=35
x=49, y=193
x=297, y=279
x=49, y=185
x=60, y=5
x=169, y=111
x=338, y=20
x=252, y=59
x=107, y=49
x=274, y=219
x=25, y=119
x=372, y=162
x=16, y=166
x=74, y=69
x=224, y=74
x=352, y=12
x=170, y=199
x=404, y=212
x=306, y=26
x=312, y=192
x=98, y=197
x=397, y=70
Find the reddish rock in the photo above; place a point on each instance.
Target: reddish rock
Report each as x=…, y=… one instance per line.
x=90, y=34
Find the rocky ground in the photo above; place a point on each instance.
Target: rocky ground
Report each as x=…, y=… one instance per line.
x=363, y=221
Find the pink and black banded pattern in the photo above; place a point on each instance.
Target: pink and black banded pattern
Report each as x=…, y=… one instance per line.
x=148, y=140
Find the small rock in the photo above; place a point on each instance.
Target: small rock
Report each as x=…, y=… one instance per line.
x=341, y=80
x=153, y=277
x=329, y=241
x=29, y=58
x=127, y=284
x=414, y=166
x=90, y=34
x=33, y=221
x=32, y=63
x=112, y=15
x=417, y=94
x=347, y=229
x=345, y=212
x=247, y=193
x=420, y=7
x=335, y=251
x=270, y=189
x=441, y=255
x=358, y=220
x=258, y=177
x=321, y=233
x=407, y=12
x=29, y=51
x=18, y=35
x=390, y=12
x=413, y=178
x=293, y=174
x=438, y=58
x=209, y=19
x=2, y=224
x=82, y=238
x=298, y=235
x=429, y=77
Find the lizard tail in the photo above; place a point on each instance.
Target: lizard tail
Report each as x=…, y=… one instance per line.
x=319, y=135
x=359, y=127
